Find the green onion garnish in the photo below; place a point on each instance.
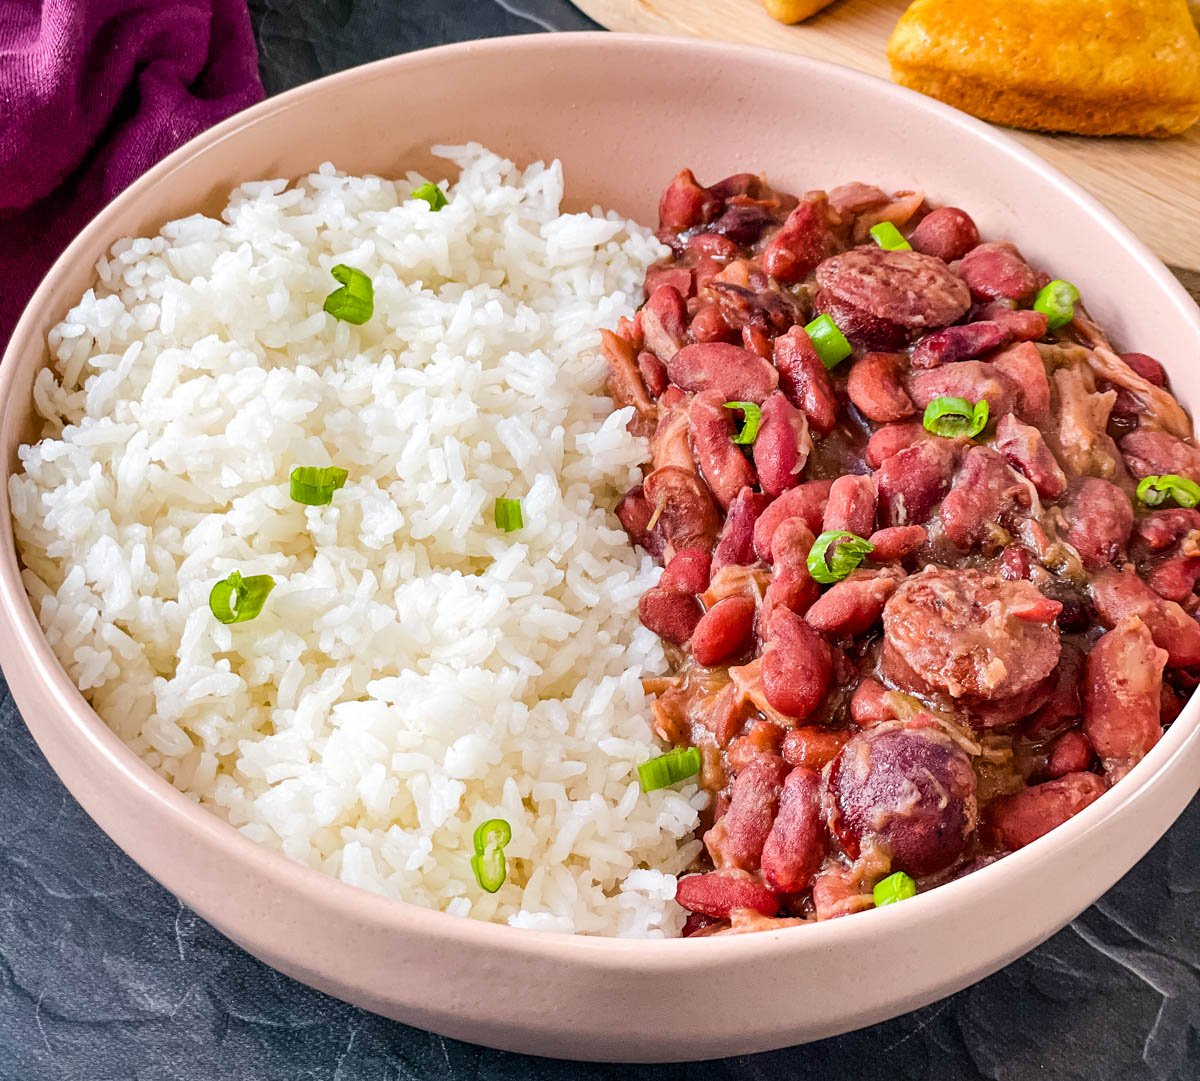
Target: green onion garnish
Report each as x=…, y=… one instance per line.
x=236, y=599
x=1056, y=302
x=896, y=887
x=849, y=550
x=829, y=342
x=354, y=302
x=668, y=769
x=508, y=515
x=488, y=861
x=314, y=486
x=889, y=238
x=753, y=418
x=431, y=194
x=1154, y=491
x=954, y=417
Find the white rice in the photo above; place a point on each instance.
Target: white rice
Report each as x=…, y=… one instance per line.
x=416, y=671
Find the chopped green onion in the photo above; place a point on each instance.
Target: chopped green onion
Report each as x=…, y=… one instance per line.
x=668, y=769
x=354, y=302
x=1056, y=302
x=508, y=515
x=889, y=238
x=1153, y=491
x=236, y=599
x=829, y=342
x=849, y=550
x=431, y=194
x=753, y=418
x=954, y=417
x=488, y=861
x=314, y=486
x=896, y=887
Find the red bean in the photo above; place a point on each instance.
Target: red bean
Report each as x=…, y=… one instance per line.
x=1100, y=519
x=912, y=482
x=756, y=341
x=969, y=379
x=713, y=246
x=725, y=632
x=1118, y=594
x=737, y=839
x=708, y=326
x=813, y=747
x=892, y=439
x=688, y=517
x=1025, y=450
x=1162, y=528
x=688, y=571
x=653, y=373
x=1023, y=324
x=986, y=494
x=1015, y=563
x=1147, y=367
x=869, y=705
x=806, y=502
x=796, y=665
x=1070, y=753
x=804, y=380
x=737, y=537
x=720, y=893
x=896, y=543
x=851, y=505
x=875, y=388
x=671, y=615
x=792, y=587
x=1064, y=706
x=744, y=221
x=677, y=277
x=735, y=373
x=1149, y=452
x=685, y=203
x=959, y=343
x=797, y=842
x=1022, y=818
x=854, y=605
x=1175, y=579
x=803, y=241
x=664, y=322
x=722, y=463
x=996, y=270
x=948, y=233
x=783, y=445
x=1021, y=365
x=1122, y=695
x=635, y=513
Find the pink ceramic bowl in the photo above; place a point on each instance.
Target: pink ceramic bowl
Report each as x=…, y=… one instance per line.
x=624, y=114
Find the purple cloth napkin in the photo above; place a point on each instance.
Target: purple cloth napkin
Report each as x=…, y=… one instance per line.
x=92, y=93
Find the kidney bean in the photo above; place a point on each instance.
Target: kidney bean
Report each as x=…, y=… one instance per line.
x=1149, y=452
x=1162, y=528
x=969, y=379
x=735, y=373
x=875, y=388
x=744, y=221
x=1022, y=367
x=737, y=537
x=783, y=445
x=913, y=481
x=862, y=329
x=903, y=287
x=813, y=747
x=1100, y=521
x=892, y=439
x=947, y=233
x=997, y=269
x=688, y=517
x=653, y=373
x=756, y=341
x=1070, y=753
x=1025, y=450
x=1015, y=564
x=1022, y=818
x=687, y=572
x=851, y=505
x=1064, y=706
x=791, y=586
x=804, y=380
x=671, y=615
x=719, y=893
x=1175, y=579
x=625, y=385
x=664, y=322
x=708, y=326
x=737, y=839
x=908, y=790
x=797, y=842
x=869, y=705
x=806, y=502
x=1172, y=705
x=725, y=632
x=722, y=464
x=1122, y=695
x=685, y=204
x=1024, y=324
x=959, y=343
x=796, y=665
x=1119, y=594
x=1147, y=367
x=896, y=543
x=634, y=513
x=803, y=241
x=697, y=925
x=678, y=278
x=713, y=246
x=853, y=606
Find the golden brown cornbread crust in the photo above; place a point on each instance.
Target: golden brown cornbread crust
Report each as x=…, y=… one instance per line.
x=1096, y=67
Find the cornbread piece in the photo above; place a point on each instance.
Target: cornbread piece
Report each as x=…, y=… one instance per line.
x=794, y=11
x=1093, y=67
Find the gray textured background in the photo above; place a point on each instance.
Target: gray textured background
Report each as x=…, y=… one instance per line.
x=106, y=977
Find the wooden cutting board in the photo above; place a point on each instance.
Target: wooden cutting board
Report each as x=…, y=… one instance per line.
x=1151, y=184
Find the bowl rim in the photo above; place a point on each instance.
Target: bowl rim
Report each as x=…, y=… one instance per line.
x=388, y=915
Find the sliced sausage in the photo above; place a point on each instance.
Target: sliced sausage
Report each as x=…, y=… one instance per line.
x=907, y=288
x=1148, y=453
x=862, y=329
x=997, y=270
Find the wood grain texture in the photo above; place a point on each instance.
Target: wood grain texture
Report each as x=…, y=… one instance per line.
x=1153, y=185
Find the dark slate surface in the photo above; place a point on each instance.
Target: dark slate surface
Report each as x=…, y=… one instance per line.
x=106, y=977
